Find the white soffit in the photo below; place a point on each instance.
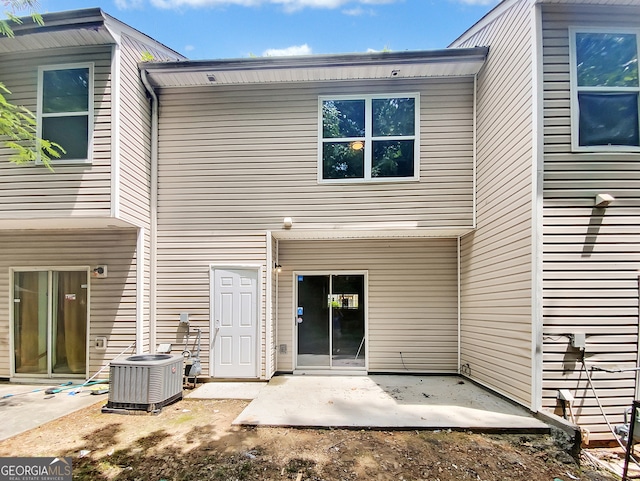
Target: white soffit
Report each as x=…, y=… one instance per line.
x=320, y=68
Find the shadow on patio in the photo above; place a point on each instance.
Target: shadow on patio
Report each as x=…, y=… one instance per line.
x=385, y=402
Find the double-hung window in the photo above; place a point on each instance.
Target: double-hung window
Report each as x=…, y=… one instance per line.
x=605, y=90
x=369, y=138
x=65, y=109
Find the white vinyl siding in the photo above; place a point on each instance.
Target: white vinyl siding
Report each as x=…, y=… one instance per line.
x=32, y=191
x=591, y=255
x=496, y=259
x=112, y=301
x=412, y=298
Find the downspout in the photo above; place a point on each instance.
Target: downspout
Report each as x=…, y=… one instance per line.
x=268, y=351
x=277, y=307
x=140, y=290
x=153, y=212
x=474, y=223
x=475, y=150
x=459, y=309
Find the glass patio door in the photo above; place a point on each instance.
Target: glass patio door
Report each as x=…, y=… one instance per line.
x=330, y=319
x=50, y=323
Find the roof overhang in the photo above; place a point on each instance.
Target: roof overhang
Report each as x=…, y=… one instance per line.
x=74, y=28
x=57, y=223
x=369, y=232
x=318, y=68
x=63, y=29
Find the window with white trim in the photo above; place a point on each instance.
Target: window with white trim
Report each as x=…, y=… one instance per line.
x=605, y=90
x=369, y=138
x=65, y=109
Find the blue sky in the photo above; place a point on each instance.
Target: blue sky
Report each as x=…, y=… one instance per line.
x=213, y=29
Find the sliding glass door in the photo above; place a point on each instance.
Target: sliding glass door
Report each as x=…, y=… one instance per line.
x=50, y=323
x=330, y=320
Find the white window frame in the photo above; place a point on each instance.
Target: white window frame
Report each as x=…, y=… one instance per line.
x=89, y=113
x=369, y=139
x=575, y=107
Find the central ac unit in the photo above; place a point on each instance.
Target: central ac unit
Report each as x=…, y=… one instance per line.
x=146, y=382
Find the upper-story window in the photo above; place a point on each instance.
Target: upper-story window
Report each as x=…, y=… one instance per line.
x=65, y=109
x=369, y=138
x=605, y=90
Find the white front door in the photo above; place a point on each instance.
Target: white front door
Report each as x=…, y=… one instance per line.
x=234, y=323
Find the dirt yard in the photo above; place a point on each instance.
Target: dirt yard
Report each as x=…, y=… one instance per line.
x=194, y=440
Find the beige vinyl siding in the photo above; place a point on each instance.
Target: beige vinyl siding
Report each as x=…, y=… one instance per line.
x=135, y=154
x=185, y=258
x=412, y=298
x=135, y=132
x=134, y=136
x=112, y=300
x=496, y=259
x=32, y=191
x=234, y=161
x=246, y=157
x=591, y=255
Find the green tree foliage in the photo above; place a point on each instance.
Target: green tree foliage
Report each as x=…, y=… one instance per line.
x=10, y=9
x=17, y=123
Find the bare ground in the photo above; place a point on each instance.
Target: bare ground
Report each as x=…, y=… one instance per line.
x=195, y=440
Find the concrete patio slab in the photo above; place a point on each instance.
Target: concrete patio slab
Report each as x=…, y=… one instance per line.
x=385, y=402
x=227, y=390
x=24, y=407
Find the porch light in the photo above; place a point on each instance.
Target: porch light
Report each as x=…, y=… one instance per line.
x=603, y=200
x=278, y=268
x=287, y=222
x=357, y=145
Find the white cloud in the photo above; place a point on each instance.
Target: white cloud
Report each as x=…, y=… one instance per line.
x=128, y=4
x=288, y=5
x=189, y=48
x=285, y=52
x=359, y=12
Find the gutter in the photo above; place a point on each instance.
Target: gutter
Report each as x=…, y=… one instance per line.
x=153, y=211
x=478, y=54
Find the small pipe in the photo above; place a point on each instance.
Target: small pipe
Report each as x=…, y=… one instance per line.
x=106, y=365
x=630, y=369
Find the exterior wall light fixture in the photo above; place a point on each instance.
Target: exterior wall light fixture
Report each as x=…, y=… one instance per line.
x=603, y=200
